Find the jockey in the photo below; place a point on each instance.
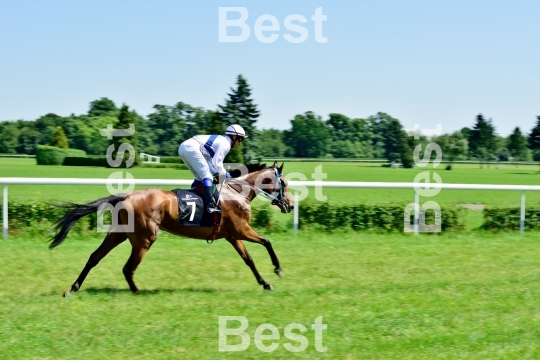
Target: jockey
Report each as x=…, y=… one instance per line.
x=204, y=155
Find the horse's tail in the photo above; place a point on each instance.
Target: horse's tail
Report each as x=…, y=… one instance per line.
x=77, y=211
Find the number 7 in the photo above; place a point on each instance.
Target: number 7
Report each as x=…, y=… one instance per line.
x=193, y=205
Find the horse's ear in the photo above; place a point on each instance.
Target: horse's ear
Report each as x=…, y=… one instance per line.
x=275, y=164
x=281, y=168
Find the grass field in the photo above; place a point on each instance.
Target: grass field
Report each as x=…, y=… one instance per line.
x=462, y=173
x=470, y=295
x=457, y=296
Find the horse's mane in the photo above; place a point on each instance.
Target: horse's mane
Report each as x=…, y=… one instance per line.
x=251, y=169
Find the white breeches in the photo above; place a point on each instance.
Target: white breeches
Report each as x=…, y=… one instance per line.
x=190, y=152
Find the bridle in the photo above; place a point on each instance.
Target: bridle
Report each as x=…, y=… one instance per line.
x=276, y=196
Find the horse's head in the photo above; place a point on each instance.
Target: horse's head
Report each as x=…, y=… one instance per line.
x=280, y=190
x=271, y=181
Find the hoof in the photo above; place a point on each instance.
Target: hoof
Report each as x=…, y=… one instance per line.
x=66, y=294
x=278, y=272
x=268, y=287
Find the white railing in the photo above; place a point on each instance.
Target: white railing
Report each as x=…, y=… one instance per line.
x=292, y=184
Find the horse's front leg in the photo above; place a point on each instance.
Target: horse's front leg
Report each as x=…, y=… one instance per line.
x=242, y=251
x=252, y=236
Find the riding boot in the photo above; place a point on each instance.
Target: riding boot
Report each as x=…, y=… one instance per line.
x=196, y=183
x=208, y=199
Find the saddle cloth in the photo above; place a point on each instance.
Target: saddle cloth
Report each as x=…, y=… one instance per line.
x=191, y=211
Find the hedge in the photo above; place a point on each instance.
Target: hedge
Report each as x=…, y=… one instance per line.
x=51, y=155
x=170, y=160
x=16, y=156
x=385, y=217
x=95, y=160
x=380, y=217
x=498, y=218
x=100, y=161
x=262, y=216
x=22, y=215
x=164, y=166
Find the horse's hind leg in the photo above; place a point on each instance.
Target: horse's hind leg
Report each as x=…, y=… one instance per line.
x=140, y=244
x=110, y=242
x=137, y=254
x=144, y=235
x=241, y=249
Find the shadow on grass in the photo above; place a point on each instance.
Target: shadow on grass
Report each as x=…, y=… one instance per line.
x=143, y=292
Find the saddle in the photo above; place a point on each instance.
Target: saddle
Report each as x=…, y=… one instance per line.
x=191, y=210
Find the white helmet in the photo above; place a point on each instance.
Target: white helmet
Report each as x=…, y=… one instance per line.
x=236, y=130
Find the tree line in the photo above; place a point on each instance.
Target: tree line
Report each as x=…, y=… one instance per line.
x=379, y=136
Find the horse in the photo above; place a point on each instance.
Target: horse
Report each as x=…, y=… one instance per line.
x=155, y=209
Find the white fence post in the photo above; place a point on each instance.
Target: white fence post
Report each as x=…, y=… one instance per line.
x=416, y=211
x=5, y=212
x=295, y=214
x=522, y=215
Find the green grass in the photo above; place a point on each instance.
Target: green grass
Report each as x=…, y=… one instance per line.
x=454, y=296
x=462, y=173
x=470, y=295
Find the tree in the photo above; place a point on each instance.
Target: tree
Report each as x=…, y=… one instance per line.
x=165, y=131
x=215, y=122
x=342, y=149
x=466, y=132
x=125, y=118
x=9, y=137
x=89, y=134
x=274, y=147
x=46, y=126
x=385, y=133
x=405, y=152
x=453, y=146
x=534, y=140
x=389, y=133
x=59, y=138
x=103, y=107
x=362, y=139
x=517, y=145
x=348, y=137
x=482, y=143
x=308, y=137
x=29, y=138
x=240, y=109
x=197, y=121
x=79, y=134
x=501, y=150
x=340, y=127
x=393, y=139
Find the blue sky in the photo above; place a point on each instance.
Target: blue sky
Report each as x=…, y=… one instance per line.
x=423, y=62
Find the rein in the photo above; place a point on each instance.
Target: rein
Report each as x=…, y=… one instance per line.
x=278, y=190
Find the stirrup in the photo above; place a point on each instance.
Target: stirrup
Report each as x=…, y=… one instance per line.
x=212, y=210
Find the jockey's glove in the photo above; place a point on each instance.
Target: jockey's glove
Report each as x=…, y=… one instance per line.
x=218, y=179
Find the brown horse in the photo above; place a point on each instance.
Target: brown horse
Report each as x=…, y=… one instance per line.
x=156, y=209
